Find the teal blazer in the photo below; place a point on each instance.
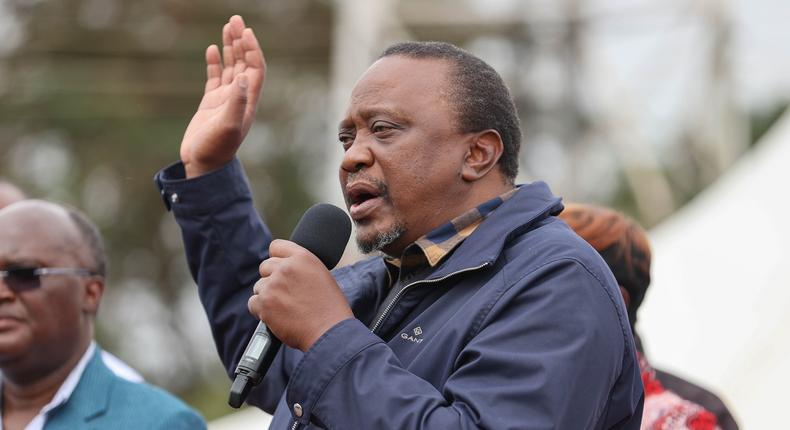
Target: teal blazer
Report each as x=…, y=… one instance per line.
x=103, y=400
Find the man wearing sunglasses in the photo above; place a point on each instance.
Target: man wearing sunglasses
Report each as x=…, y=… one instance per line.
x=10, y=193
x=52, y=271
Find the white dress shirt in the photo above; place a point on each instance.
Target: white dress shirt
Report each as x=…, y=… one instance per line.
x=63, y=393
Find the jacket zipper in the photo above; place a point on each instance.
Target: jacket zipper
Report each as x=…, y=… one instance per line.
x=400, y=294
x=425, y=281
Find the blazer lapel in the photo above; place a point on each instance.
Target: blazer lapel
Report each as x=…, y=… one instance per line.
x=90, y=399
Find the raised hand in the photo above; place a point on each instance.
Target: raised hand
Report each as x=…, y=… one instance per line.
x=226, y=112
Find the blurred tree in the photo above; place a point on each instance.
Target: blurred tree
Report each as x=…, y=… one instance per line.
x=763, y=119
x=95, y=97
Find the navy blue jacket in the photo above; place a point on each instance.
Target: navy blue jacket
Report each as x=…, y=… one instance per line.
x=521, y=327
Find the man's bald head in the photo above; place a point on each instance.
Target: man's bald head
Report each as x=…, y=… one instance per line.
x=54, y=318
x=10, y=193
x=64, y=227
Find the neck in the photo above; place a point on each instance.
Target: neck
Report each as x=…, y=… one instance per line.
x=465, y=199
x=487, y=188
x=31, y=389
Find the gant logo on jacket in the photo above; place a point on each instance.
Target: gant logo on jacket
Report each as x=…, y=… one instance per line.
x=416, y=338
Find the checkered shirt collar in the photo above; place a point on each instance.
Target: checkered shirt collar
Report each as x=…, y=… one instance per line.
x=432, y=248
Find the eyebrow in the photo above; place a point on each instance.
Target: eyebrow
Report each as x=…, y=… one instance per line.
x=20, y=262
x=367, y=113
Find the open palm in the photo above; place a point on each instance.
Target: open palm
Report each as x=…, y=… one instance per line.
x=233, y=87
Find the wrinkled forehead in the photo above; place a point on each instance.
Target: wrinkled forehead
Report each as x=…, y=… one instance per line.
x=401, y=82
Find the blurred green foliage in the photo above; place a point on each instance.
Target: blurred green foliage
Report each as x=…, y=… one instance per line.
x=94, y=99
x=95, y=96
x=764, y=119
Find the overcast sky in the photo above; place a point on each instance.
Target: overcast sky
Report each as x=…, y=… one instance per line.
x=671, y=31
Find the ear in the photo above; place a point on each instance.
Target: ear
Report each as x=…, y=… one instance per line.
x=94, y=289
x=484, y=150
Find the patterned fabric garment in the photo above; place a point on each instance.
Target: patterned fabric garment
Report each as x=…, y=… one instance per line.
x=435, y=245
x=665, y=410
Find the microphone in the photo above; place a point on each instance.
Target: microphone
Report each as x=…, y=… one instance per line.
x=323, y=230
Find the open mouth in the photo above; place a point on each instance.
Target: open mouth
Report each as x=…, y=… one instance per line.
x=362, y=198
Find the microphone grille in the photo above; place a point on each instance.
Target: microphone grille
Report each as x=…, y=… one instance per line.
x=323, y=230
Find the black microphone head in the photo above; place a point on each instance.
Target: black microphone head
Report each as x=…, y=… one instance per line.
x=323, y=230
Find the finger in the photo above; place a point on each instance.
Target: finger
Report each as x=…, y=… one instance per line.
x=213, y=68
x=227, y=41
x=237, y=102
x=284, y=248
x=268, y=266
x=253, y=305
x=253, y=55
x=236, y=30
x=237, y=26
x=238, y=55
x=227, y=71
x=259, y=286
x=227, y=54
x=256, y=70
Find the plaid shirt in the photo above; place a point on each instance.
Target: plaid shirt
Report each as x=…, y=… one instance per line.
x=431, y=249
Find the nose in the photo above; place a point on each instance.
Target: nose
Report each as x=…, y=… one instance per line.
x=357, y=156
x=6, y=294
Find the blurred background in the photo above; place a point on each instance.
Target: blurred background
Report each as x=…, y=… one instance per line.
x=639, y=105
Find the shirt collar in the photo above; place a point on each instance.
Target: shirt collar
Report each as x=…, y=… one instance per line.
x=64, y=392
x=432, y=248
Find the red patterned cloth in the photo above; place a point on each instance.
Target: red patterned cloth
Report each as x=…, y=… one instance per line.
x=665, y=410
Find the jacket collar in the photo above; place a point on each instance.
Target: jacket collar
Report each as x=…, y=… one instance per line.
x=530, y=204
x=91, y=398
x=431, y=249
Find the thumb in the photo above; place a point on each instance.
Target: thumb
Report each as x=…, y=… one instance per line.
x=243, y=83
x=237, y=102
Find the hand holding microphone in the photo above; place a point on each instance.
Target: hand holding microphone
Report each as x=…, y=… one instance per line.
x=296, y=299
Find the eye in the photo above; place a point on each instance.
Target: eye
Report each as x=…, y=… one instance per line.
x=346, y=138
x=382, y=128
x=379, y=126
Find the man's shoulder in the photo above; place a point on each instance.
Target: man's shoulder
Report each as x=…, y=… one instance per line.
x=141, y=395
x=551, y=241
x=141, y=405
x=526, y=234
x=552, y=262
x=102, y=397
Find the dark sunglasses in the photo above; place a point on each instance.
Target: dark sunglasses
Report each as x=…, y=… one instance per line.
x=28, y=278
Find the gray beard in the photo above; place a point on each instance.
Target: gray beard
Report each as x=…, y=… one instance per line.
x=381, y=240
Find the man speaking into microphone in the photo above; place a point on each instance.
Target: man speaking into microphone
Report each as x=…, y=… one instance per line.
x=480, y=309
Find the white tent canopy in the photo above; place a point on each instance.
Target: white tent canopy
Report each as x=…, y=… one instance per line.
x=717, y=310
